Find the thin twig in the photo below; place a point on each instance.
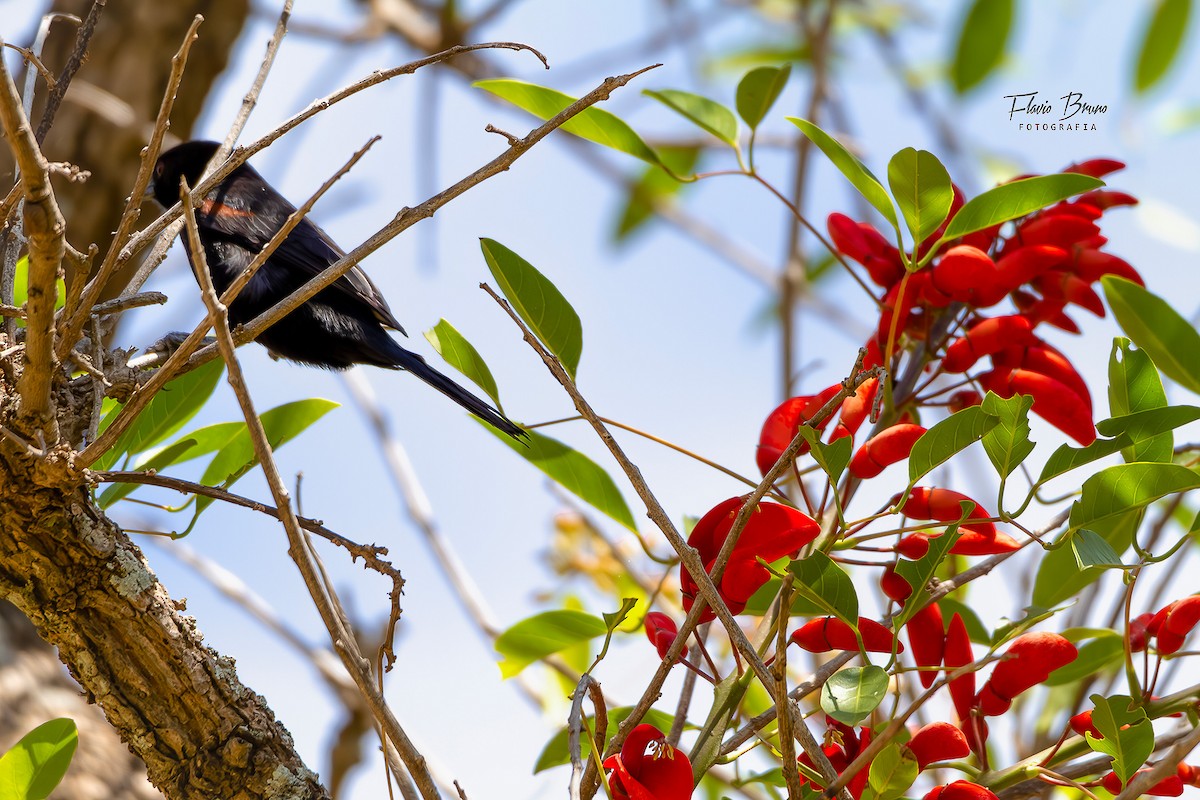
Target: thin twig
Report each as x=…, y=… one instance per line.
x=76, y=320
x=343, y=639
x=74, y=62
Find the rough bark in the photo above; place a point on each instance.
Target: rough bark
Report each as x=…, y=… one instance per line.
x=89, y=592
x=35, y=688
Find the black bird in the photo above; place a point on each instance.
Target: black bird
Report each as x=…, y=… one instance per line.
x=343, y=325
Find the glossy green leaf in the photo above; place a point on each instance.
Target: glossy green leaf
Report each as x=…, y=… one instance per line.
x=1095, y=658
x=918, y=573
x=575, y=472
x=947, y=438
x=1156, y=328
x=922, y=189
x=462, y=355
x=854, y=170
x=594, y=124
x=1007, y=444
x=538, y=302
x=1118, y=489
x=820, y=580
x=1066, y=458
x=981, y=42
x=1128, y=734
x=542, y=635
x=654, y=186
x=236, y=457
x=1166, y=25
x=892, y=771
x=1016, y=199
x=708, y=114
x=758, y=90
x=1093, y=550
x=834, y=457
x=760, y=602
x=21, y=288
x=1134, y=385
x=1059, y=577
x=556, y=752
x=190, y=446
x=1143, y=425
x=851, y=694
x=169, y=410
x=37, y=763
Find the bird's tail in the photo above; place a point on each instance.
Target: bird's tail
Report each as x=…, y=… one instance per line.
x=417, y=366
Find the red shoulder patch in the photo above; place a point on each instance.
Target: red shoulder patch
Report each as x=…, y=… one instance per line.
x=214, y=209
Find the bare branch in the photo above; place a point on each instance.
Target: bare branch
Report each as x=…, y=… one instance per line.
x=59, y=89
x=45, y=228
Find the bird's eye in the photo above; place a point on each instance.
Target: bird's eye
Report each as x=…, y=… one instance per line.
x=159, y=169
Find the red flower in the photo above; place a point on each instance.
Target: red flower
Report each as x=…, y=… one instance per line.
x=1174, y=622
x=774, y=531
x=885, y=448
x=830, y=633
x=1031, y=659
x=842, y=754
x=937, y=741
x=927, y=639
x=943, y=505
x=661, y=631
x=958, y=654
x=1082, y=723
x=663, y=773
x=961, y=790
x=1170, y=786
x=894, y=586
x=782, y=423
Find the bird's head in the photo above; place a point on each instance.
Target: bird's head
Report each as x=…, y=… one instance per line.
x=182, y=161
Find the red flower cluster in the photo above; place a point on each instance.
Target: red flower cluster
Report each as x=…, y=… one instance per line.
x=824, y=634
x=1173, y=622
x=647, y=768
x=961, y=790
x=938, y=741
x=774, y=531
x=1170, y=786
x=661, y=630
x=1048, y=261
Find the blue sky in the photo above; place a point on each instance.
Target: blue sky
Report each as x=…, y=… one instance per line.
x=671, y=342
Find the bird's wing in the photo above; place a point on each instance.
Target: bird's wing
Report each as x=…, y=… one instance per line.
x=307, y=250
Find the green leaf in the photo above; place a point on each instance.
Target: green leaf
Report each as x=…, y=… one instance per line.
x=199, y=442
x=1156, y=328
x=1115, y=490
x=37, y=763
x=593, y=124
x=820, y=580
x=169, y=410
x=851, y=694
x=892, y=771
x=760, y=602
x=1007, y=444
x=1093, y=550
x=1059, y=577
x=542, y=635
x=918, y=573
x=952, y=435
x=1067, y=458
x=236, y=456
x=538, y=302
x=1015, y=199
x=556, y=752
x=655, y=186
x=575, y=472
x=1134, y=385
x=981, y=42
x=854, y=170
x=1095, y=658
x=834, y=457
x=708, y=114
x=922, y=189
x=1165, y=28
x=1128, y=746
x=1143, y=425
x=758, y=90
x=462, y=355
